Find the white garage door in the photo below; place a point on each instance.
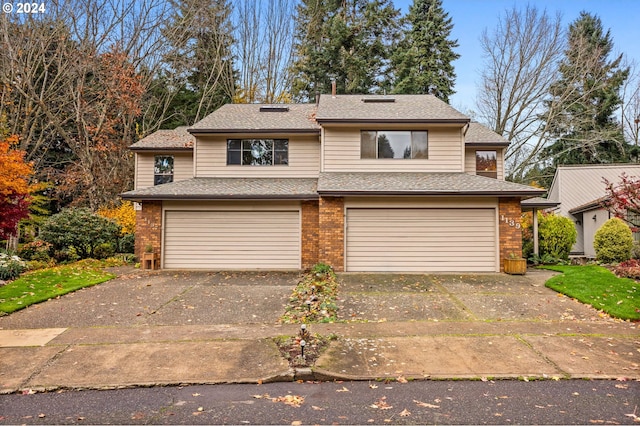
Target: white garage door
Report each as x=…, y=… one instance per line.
x=421, y=239
x=232, y=240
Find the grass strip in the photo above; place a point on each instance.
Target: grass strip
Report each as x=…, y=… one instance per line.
x=598, y=287
x=42, y=285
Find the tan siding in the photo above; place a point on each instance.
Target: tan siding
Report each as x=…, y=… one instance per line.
x=342, y=152
x=232, y=239
x=421, y=239
x=304, y=159
x=182, y=168
x=470, y=160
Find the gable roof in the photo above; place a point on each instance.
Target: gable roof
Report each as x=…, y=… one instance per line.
x=176, y=139
x=387, y=108
x=482, y=135
x=263, y=118
x=576, y=185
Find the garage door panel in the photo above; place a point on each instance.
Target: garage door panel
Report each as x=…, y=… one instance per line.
x=232, y=239
x=421, y=240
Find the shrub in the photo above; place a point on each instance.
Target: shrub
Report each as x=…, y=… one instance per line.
x=557, y=235
x=11, y=266
x=613, y=241
x=628, y=269
x=36, y=250
x=126, y=244
x=104, y=251
x=635, y=250
x=79, y=229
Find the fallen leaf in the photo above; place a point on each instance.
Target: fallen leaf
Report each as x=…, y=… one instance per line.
x=373, y=386
x=343, y=390
x=195, y=394
x=292, y=400
x=381, y=404
x=619, y=386
x=425, y=404
x=401, y=379
x=296, y=423
x=315, y=407
x=265, y=395
x=42, y=415
x=596, y=421
x=200, y=409
x=405, y=413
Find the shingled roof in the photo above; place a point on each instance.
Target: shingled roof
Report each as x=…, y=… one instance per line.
x=400, y=183
x=243, y=118
x=176, y=139
x=229, y=188
x=482, y=135
x=388, y=108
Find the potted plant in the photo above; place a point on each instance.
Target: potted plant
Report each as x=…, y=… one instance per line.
x=515, y=265
x=149, y=258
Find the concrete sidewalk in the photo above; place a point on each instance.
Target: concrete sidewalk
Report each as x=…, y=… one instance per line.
x=504, y=327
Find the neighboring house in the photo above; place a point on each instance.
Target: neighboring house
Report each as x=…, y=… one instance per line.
x=361, y=182
x=580, y=192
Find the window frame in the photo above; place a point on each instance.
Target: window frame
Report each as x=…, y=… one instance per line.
x=487, y=172
x=236, y=156
x=416, y=153
x=159, y=174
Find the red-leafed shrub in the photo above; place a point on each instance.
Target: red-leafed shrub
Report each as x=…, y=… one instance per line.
x=628, y=269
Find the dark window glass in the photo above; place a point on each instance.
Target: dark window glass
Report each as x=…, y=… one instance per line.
x=393, y=144
x=257, y=152
x=162, y=169
x=487, y=164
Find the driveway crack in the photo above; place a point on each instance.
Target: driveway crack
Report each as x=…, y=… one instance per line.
x=459, y=303
x=172, y=300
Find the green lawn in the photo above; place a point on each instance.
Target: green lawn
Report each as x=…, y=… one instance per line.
x=600, y=288
x=39, y=286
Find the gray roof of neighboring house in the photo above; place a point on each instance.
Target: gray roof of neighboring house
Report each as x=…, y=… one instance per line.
x=176, y=139
x=538, y=202
x=400, y=183
x=247, y=118
x=480, y=134
x=591, y=205
x=379, y=108
x=229, y=188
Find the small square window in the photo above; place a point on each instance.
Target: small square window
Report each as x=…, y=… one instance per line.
x=162, y=169
x=487, y=164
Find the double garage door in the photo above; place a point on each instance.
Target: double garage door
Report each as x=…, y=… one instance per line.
x=232, y=239
x=421, y=239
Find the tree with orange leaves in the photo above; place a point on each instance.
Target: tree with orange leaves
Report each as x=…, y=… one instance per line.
x=14, y=187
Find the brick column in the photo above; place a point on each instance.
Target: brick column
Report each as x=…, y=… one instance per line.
x=149, y=227
x=310, y=233
x=509, y=213
x=331, y=232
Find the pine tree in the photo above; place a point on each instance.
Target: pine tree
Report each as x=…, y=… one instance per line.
x=422, y=62
x=581, y=111
x=345, y=40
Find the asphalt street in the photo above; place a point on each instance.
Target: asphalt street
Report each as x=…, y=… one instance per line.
x=415, y=402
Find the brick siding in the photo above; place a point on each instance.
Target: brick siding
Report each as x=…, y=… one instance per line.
x=331, y=232
x=148, y=227
x=510, y=235
x=310, y=233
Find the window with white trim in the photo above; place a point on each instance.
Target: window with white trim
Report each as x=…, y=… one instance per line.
x=258, y=152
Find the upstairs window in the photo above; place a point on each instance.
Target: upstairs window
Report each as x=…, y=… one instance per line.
x=487, y=164
x=162, y=169
x=394, y=144
x=257, y=152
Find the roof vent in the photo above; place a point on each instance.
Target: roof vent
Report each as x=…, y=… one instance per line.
x=274, y=108
x=377, y=100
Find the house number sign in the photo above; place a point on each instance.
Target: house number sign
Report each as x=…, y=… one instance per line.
x=510, y=222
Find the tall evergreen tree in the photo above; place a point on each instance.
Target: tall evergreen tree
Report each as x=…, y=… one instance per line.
x=346, y=40
x=422, y=62
x=201, y=76
x=581, y=111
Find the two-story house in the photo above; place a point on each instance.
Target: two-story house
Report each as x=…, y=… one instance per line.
x=361, y=182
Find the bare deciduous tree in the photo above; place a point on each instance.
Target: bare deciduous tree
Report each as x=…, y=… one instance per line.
x=521, y=63
x=263, y=48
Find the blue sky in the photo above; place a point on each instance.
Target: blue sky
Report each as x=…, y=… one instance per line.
x=471, y=17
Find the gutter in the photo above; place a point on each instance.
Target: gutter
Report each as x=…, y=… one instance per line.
x=207, y=197
x=250, y=131
x=337, y=193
